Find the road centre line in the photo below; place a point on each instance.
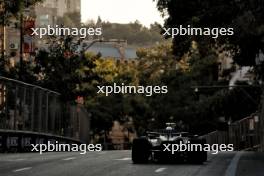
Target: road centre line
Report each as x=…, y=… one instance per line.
x=123, y=159
x=20, y=159
x=22, y=169
x=14, y=160
x=67, y=159
x=160, y=169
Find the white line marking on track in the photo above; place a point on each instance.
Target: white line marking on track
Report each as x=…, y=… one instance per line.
x=123, y=159
x=231, y=170
x=22, y=169
x=101, y=153
x=14, y=160
x=67, y=159
x=20, y=159
x=160, y=169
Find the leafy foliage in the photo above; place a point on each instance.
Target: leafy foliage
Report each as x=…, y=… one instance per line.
x=13, y=8
x=190, y=61
x=70, y=19
x=62, y=70
x=246, y=17
x=135, y=33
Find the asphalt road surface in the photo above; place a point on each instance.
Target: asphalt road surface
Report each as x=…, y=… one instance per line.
x=118, y=163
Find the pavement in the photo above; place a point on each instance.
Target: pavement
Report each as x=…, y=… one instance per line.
x=118, y=163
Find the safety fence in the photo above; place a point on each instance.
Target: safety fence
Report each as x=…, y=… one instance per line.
x=117, y=146
x=244, y=134
x=30, y=108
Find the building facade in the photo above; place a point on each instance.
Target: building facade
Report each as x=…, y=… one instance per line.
x=43, y=14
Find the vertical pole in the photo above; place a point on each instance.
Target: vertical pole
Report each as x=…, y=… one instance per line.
x=21, y=46
x=47, y=113
x=53, y=112
x=40, y=111
x=23, y=110
x=105, y=146
x=6, y=90
x=2, y=8
x=4, y=39
x=89, y=127
x=15, y=110
x=261, y=122
x=32, y=109
x=61, y=115
x=3, y=47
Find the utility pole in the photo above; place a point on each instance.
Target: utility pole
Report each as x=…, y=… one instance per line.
x=2, y=10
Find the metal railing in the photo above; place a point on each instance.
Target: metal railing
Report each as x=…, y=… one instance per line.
x=27, y=107
x=261, y=123
x=244, y=134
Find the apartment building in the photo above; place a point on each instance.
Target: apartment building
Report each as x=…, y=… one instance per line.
x=42, y=14
x=48, y=11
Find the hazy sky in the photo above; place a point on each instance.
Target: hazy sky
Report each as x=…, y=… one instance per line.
x=121, y=11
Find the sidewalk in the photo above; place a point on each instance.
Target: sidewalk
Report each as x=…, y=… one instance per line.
x=251, y=164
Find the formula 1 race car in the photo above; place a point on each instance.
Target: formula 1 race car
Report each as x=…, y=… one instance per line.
x=169, y=145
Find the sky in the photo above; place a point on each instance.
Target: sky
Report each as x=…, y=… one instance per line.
x=121, y=11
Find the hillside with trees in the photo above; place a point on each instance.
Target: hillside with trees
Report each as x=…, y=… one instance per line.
x=135, y=33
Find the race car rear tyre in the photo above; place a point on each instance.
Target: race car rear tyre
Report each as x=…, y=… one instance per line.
x=141, y=151
x=197, y=157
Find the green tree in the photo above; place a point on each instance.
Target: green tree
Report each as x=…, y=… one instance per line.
x=70, y=19
x=245, y=46
x=63, y=70
x=135, y=33
x=13, y=8
x=246, y=17
x=197, y=112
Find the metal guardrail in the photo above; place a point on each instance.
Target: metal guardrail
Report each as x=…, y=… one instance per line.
x=244, y=134
x=117, y=146
x=36, y=110
x=261, y=123
x=30, y=108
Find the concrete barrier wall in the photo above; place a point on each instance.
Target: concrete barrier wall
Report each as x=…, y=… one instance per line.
x=20, y=141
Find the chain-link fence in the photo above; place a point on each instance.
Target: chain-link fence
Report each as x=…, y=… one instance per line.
x=261, y=123
x=26, y=107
